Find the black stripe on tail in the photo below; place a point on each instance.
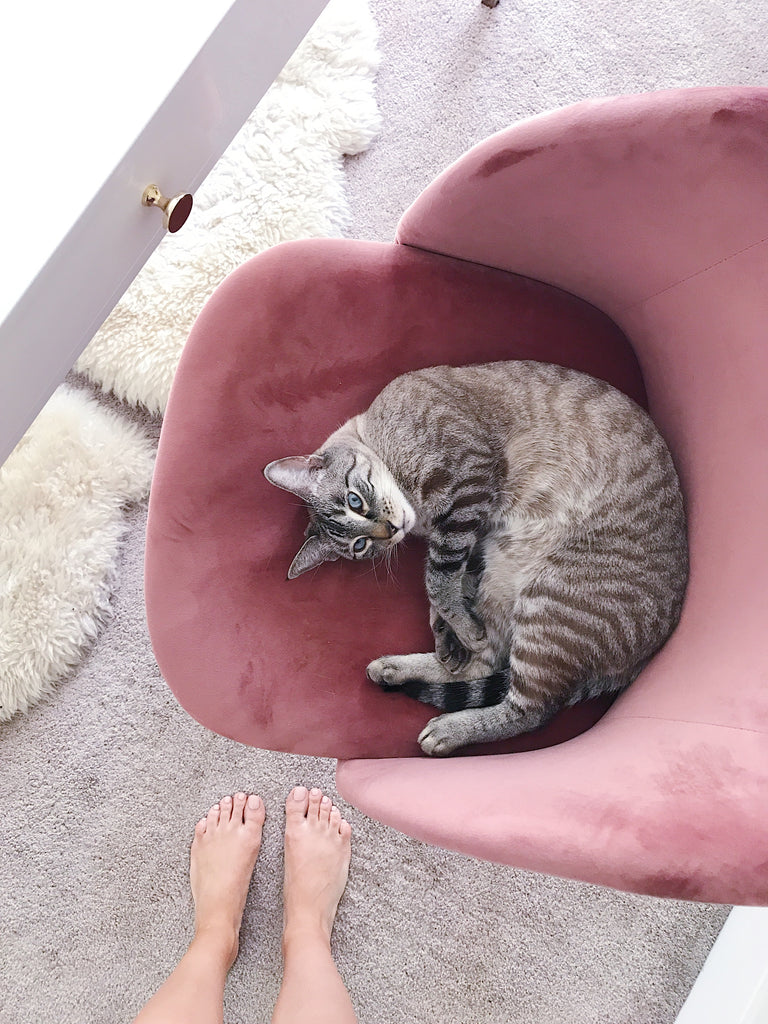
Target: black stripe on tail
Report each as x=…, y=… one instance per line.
x=458, y=695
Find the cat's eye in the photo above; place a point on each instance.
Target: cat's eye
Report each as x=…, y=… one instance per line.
x=360, y=545
x=354, y=501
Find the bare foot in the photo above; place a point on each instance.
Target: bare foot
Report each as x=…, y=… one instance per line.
x=222, y=859
x=317, y=853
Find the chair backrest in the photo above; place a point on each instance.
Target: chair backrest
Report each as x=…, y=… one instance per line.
x=655, y=209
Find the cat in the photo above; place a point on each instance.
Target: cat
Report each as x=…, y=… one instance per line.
x=557, y=550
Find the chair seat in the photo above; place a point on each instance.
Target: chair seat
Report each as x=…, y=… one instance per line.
x=290, y=345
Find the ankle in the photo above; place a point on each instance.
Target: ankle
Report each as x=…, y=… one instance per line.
x=219, y=939
x=302, y=932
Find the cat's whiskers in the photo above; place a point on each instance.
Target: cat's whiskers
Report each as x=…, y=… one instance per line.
x=373, y=571
x=390, y=554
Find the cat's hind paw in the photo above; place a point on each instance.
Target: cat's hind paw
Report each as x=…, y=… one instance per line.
x=437, y=738
x=387, y=672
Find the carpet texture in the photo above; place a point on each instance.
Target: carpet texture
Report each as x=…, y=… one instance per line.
x=101, y=788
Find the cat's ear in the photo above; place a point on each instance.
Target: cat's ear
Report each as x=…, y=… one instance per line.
x=299, y=474
x=314, y=552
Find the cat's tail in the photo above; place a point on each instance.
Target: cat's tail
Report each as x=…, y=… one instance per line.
x=458, y=694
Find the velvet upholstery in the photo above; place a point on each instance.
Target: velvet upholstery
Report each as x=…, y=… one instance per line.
x=654, y=209
x=294, y=342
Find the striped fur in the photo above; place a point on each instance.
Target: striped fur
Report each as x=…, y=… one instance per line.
x=557, y=556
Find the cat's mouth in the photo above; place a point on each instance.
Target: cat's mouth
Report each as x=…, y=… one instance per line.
x=397, y=533
x=409, y=521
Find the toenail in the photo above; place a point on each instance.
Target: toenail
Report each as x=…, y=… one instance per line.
x=226, y=800
x=315, y=792
x=253, y=800
x=325, y=801
x=299, y=793
x=240, y=796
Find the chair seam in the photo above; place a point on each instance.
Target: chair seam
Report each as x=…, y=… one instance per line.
x=697, y=273
x=686, y=721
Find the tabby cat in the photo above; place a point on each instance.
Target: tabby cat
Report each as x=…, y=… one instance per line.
x=557, y=558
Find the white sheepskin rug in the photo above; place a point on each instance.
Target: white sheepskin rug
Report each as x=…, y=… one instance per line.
x=64, y=489
x=62, y=495
x=281, y=179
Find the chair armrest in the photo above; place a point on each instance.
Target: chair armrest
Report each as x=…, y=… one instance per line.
x=614, y=200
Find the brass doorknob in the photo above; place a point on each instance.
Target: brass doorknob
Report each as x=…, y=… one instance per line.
x=175, y=211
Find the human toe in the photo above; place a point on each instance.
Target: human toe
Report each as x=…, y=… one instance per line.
x=238, y=808
x=324, y=811
x=315, y=798
x=297, y=803
x=226, y=810
x=254, y=811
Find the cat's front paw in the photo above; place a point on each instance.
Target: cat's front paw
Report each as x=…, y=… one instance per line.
x=437, y=738
x=449, y=652
x=467, y=627
x=469, y=630
x=457, y=638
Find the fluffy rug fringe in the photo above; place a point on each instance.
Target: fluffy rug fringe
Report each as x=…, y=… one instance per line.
x=62, y=495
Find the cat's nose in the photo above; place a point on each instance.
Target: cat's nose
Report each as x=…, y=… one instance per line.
x=384, y=531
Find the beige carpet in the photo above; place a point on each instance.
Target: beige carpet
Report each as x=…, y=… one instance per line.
x=100, y=788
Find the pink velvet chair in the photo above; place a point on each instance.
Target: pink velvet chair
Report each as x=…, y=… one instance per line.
x=649, y=210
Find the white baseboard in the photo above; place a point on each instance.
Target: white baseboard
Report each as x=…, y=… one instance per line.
x=732, y=987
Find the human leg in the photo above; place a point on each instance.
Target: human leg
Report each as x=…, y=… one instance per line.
x=223, y=855
x=317, y=853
